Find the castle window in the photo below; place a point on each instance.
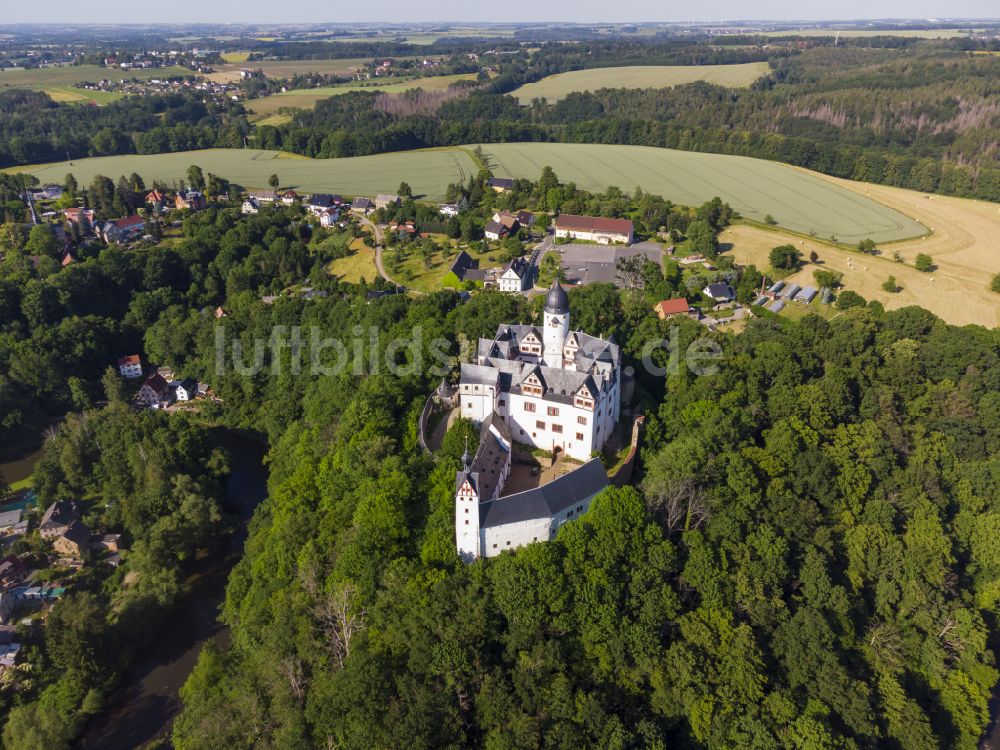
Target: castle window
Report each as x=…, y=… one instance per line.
x=494, y=546
x=529, y=407
x=557, y=428
x=501, y=402
x=553, y=411
x=540, y=425
x=581, y=420
x=579, y=436
x=466, y=521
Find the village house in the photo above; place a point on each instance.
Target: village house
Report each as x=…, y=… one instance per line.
x=12, y=521
x=319, y=203
x=130, y=366
x=290, y=198
x=501, y=184
x=8, y=654
x=263, y=196
x=594, y=229
x=466, y=268
x=515, y=277
x=494, y=230
x=155, y=391
x=719, y=292
x=383, y=200
x=448, y=209
x=251, y=206
x=73, y=541
x=361, y=205
x=220, y=312
x=669, y=307
x=156, y=200
x=192, y=200
x=329, y=217
x=12, y=571
x=185, y=390
x=106, y=543
x=82, y=217
x=557, y=389
x=123, y=230
x=57, y=518
x=67, y=259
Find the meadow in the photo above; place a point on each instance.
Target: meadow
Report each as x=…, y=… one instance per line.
x=798, y=200
x=558, y=86
x=307, y=98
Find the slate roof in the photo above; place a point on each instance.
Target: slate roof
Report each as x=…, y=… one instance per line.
x=490, y=460
x=463, y=264
x=10, y=517
x=60, y=513
x=547, y=500
x=720, y=291
x=78, y=533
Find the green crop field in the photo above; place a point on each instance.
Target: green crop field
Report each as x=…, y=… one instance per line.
x=307, y=98
x=428, y=172
x=798, y=200
x=795, y=198
x=558, y=86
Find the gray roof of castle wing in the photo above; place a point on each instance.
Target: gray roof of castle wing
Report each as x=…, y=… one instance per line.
x=10, y=517
x=479, y=374
x=560, y=385
x=488, y=463
x=547, y=500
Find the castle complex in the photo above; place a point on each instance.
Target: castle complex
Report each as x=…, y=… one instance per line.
x=550, y=388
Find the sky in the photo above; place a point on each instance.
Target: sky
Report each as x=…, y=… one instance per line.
x=406, y=11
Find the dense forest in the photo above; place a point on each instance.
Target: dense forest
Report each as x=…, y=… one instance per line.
x=809, y=559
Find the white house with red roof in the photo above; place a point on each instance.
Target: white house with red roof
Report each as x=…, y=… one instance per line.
x=130, y=366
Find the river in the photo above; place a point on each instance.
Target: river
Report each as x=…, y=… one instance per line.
x=142, y=708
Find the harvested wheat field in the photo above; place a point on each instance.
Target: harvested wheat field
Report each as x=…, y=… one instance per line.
x=558, y=86
x=955, y=291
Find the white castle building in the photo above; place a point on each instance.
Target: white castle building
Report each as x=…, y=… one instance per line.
x=556, y=389
x=552, y=388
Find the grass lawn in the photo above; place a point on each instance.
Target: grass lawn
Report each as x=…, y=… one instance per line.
x=307, y=98
x=560, y=85
x=412, y=272
x=357, y=266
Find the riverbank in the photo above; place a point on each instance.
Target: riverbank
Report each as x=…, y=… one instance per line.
x=142, y=708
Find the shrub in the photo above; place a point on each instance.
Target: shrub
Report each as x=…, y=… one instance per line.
x=829, y=279
x=785, y=258
x=924, y=263
x=867, y=246
x=847, y=300
x=890, y=285
x=995, y=284
x=769, y=220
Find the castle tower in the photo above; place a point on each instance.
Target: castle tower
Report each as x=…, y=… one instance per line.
x=467, y=510
x=556, y=326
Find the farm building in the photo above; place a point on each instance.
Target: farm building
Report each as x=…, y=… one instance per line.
x=806, y=295
x=777, y=306
x=594, y=229
x=790, y=291
x=669, y=307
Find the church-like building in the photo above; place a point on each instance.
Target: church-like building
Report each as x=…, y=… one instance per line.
x=551, y=388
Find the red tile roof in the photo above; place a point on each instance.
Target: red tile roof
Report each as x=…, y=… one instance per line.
x=131, y=359
x=128, y=221
x=672, y=306
x=593, y=224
